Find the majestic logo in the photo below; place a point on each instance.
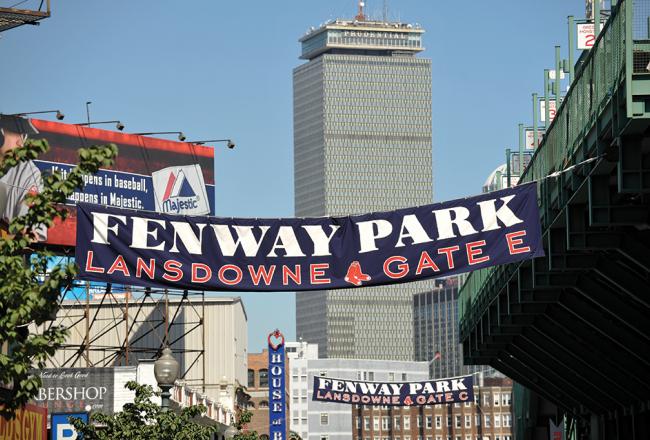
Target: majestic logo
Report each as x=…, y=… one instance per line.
x=180, y=190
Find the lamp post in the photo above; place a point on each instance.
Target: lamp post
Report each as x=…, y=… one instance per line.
x=59, y=115
x=229, y=143
x=181, y=136
x=166, y=371
x=118, y=124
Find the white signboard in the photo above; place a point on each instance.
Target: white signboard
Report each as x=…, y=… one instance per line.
x=586, y=35
x=530, y=138
x=551, y=109
x=551, y=74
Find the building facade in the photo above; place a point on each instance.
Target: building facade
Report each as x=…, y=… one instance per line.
x=314, y=420
x=436, y=332
x=488, y=417
x=209, y=339
x=362, y=143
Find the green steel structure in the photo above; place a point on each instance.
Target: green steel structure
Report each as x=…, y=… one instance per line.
x=573, y=328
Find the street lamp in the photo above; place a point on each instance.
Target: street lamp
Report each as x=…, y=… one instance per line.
x=231, y=432
x=181, y=136
x=166, y=371
x=118, y=124
x=229, y=143
x=59, y=115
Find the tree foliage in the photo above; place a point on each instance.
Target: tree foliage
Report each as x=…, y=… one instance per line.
x=244, y=417
x=145, y=420
x=26, y=296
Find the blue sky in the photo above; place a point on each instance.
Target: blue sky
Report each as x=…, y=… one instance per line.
x=217, y=69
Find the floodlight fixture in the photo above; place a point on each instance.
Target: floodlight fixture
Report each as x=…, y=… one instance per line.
x=181, y=136
x=59, y=115
x=118, y=124
x=229, y=143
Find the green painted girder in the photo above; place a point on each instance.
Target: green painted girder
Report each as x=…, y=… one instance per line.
x=555, y=372
x=601, y=351
x=604, y=374
x=605, y=208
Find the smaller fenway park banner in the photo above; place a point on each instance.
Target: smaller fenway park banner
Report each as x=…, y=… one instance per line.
x=209, y=253
x=431, y=392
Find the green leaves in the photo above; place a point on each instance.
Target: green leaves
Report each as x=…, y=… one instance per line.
x=143, y=420
x=28, y=298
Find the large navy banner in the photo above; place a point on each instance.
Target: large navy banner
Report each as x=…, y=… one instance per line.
x=430, y=392
x=210, y=253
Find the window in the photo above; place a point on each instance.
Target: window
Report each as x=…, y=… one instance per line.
x=295, y=421
x=396, y=422
x=486, y=400
x=358, y=422
x=324, y=419
x=371, y=375
x=404, y=379
x=456, y=405
x=375, y=423
x=407, y=423
x=295, y=400
x=324, y=437
x=323, y=374
x=468, y=404
x=391, y=377
x=429, y=421
x=457, y=421
x=264, y=378
x=251, y=378
x=419, y=421
x=496, y=399
x=487, y=420
x=507, y=420
x=366, y=422
x=497, y=420
x=505, y=399
x=264, y=404
x=448, y=420
x=438, y=422
x=468, y=421
x=384, y=423
x=478, y=420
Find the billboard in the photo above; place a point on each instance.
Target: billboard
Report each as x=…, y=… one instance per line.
x=552, y=108
x=211, y=253
x=30, y=423
x=431, y=392
x=149, y=173
x=586, y=35
x=277, y=392
x=73, y=389
x=530, y=138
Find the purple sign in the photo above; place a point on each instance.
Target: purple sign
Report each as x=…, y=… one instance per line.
x=430, y=392
x=210, y=253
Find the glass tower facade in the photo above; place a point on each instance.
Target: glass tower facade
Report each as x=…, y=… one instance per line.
x=435, y=327
x=362, y=143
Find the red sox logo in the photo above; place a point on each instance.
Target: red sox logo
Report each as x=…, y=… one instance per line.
x=355, y=275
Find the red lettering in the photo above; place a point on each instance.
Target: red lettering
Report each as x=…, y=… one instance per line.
x=207, y=273
x=514, y=240
x=403, y=268
x=316, y=271
x=89, y=264
x=448, y=251
x=174, y=267
x=473, y=254
x=141, y=266
x=295, y=276
x=222, y=274
x=426, y=262
x=119, y=265
x=262, y=272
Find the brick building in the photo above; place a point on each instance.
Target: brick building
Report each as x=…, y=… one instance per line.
x=489, y=417
x=258, y=389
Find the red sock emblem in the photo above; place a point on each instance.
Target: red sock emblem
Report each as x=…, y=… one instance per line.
x=355, y=275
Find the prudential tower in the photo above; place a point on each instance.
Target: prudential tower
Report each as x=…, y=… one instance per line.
x=362, y=143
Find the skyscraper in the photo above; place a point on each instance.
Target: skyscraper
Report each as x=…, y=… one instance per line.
x=362, y=143
x=436, y=332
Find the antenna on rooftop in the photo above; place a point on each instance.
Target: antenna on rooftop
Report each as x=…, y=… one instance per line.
x=360, y=16
x=385, y=11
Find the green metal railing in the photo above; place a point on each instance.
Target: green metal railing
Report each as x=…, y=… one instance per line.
x=599, y=75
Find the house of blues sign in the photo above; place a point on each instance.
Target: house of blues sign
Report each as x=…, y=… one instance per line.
x=277, y=404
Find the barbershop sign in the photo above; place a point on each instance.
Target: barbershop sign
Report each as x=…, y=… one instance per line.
x=431, y=392
x=73, y=389
x=210, y=253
